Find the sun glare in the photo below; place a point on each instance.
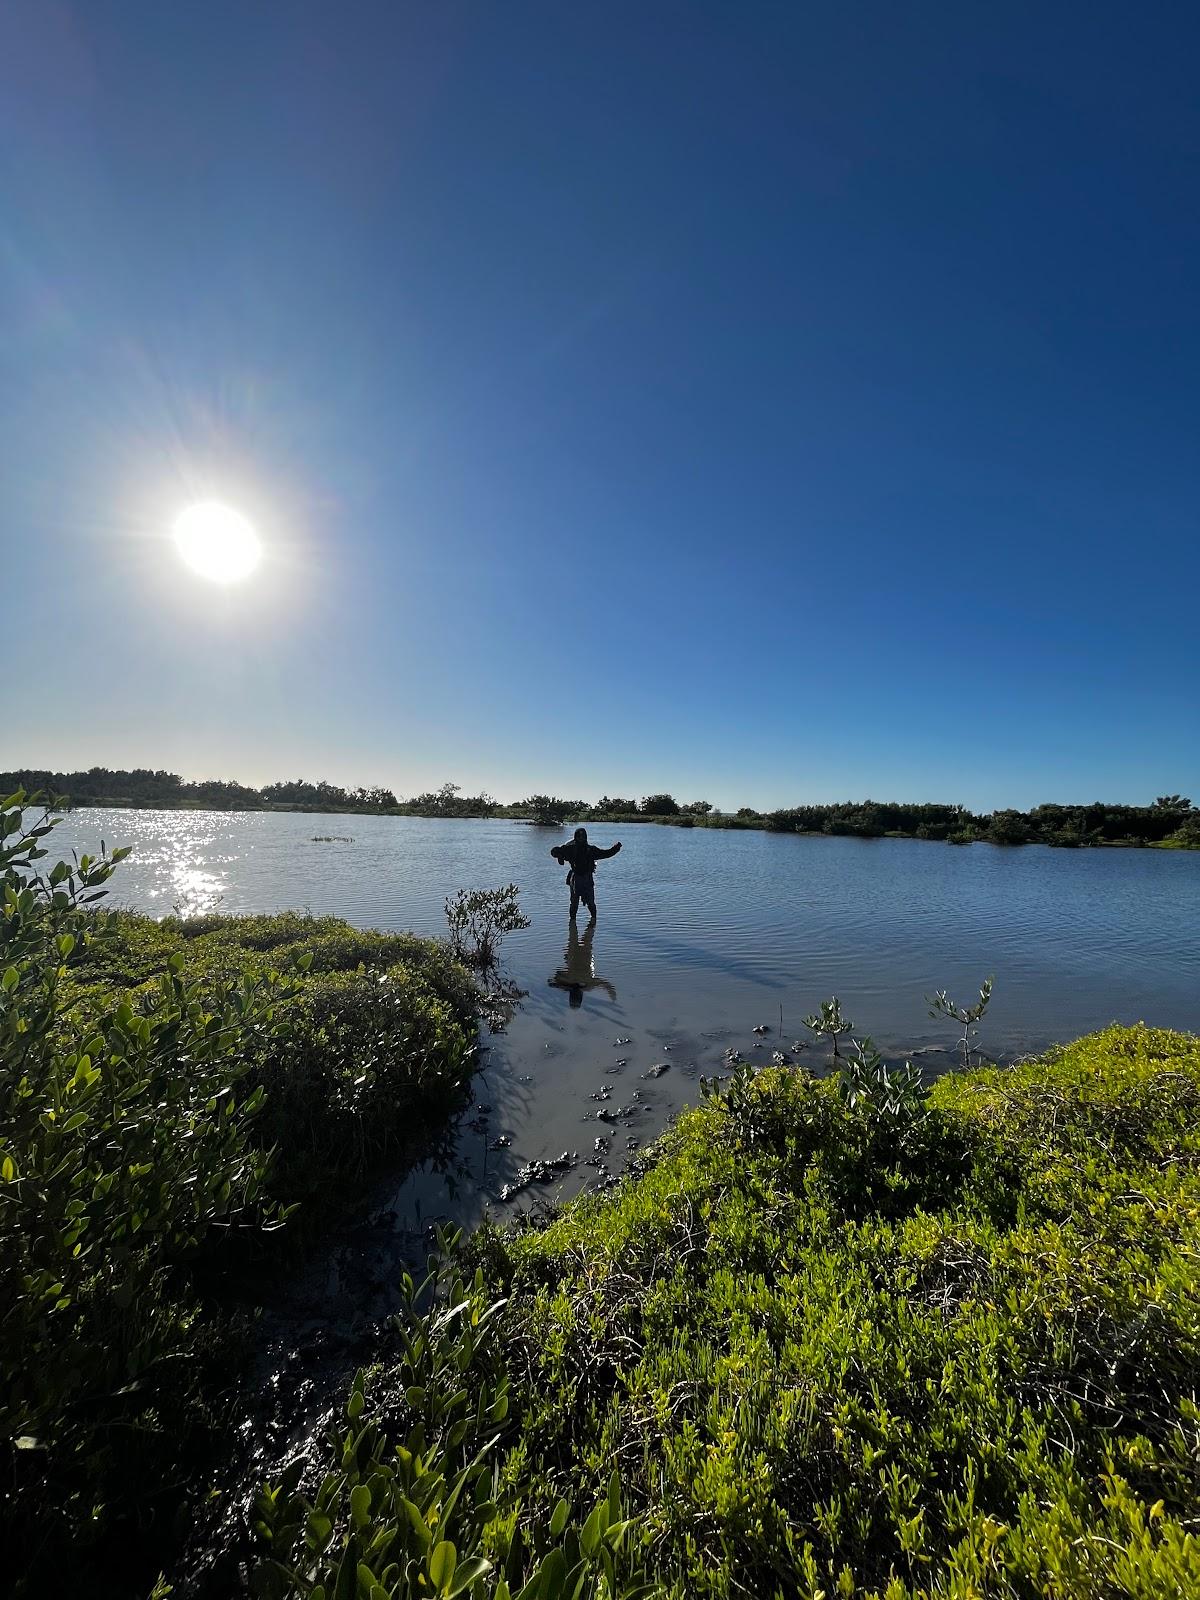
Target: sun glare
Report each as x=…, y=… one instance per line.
x=217, y=542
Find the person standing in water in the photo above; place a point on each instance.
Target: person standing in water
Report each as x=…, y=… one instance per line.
x=582, y=857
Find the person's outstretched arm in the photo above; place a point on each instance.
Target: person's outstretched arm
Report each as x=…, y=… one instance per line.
x=603, y=855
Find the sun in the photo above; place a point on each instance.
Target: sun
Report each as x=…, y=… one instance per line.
x=217, y=542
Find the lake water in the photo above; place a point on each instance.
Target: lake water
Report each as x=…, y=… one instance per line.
x=702, y=935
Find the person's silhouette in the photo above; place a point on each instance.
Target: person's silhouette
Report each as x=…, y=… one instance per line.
x=582, y=857
x=578, y=972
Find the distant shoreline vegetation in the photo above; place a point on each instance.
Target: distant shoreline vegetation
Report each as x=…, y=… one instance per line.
x=1170, y=823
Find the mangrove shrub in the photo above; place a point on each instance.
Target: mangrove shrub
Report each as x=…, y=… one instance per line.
x=123, y=1142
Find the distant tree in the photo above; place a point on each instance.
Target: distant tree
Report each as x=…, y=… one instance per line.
x=299, y=792
x=549, y=811
x=449, y=801
x=1008, y=827
x=221, y=794
x=373, y=799
x=481, y=805
x=1170, y=817
x=445, y=797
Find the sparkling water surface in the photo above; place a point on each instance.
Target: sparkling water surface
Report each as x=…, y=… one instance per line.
x=702, y=935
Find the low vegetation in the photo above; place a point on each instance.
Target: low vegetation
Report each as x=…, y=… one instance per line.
x=169, y=1092
x=409, y=1500
x=836, y=1338
x=1171, y=823
x=480, y=920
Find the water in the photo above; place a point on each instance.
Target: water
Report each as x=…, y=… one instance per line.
x=702, y=935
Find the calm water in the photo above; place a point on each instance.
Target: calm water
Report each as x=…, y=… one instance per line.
x=701, y=936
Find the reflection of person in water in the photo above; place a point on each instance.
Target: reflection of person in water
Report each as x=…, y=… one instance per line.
x=582, y=857
x=579, y=972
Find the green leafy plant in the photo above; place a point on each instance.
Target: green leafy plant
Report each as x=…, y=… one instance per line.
x=479, y=919
x=380, y=1043
x=941, y=1005
x=124, y=1141
x=410, y=1500
x=829, y=1023
x=168, y=1088
x=893, y=1095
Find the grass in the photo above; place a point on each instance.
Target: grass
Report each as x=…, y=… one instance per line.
x=830, y=1352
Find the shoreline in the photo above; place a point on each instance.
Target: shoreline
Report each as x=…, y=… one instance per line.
x=719, y=822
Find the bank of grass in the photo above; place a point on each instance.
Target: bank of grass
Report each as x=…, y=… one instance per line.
x=835, y=1352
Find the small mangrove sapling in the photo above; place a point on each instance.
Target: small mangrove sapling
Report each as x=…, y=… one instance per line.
x=480, y=918
x=829, y=1023
x=941, y=1005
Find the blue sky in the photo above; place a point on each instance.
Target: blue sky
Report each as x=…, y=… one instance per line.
x=766, y=403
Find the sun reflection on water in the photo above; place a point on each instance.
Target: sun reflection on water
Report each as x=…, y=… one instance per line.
x=194, y=890
x=180, y=863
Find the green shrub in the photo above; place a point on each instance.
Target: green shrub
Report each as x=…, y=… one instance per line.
x=950, y=1349
x=480, y=919
x=381, y=1037
x=371, y=1057
x=844, y=1337
x=123, y=1142
x=148, y=1071
x=408, y=1500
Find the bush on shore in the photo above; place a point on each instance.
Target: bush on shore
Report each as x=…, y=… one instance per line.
x=380, y=1037
x=837, y=1344
x=166, y=1088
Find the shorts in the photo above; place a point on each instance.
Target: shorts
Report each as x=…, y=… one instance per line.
x=585, y=888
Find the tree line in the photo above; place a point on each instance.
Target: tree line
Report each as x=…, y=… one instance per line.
x=1170, y=820
x=1170, y=817
x=143, y=788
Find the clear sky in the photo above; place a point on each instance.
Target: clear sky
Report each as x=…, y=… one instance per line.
x=762, y=402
